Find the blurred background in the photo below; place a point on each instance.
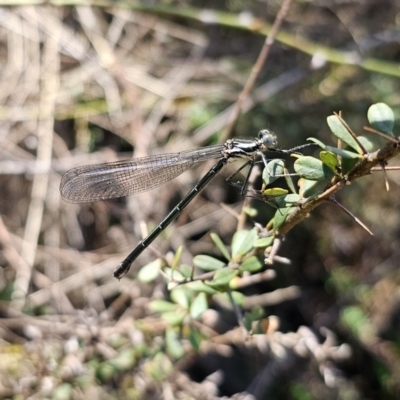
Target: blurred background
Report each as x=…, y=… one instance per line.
x=86, y=84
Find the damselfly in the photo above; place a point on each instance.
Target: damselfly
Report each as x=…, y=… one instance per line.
x=123, y=178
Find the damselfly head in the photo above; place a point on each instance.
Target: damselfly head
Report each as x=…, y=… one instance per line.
x=268, y=139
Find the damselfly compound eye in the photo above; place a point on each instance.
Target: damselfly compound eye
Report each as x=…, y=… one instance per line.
x=268, y=138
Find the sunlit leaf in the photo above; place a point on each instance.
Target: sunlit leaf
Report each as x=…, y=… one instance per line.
x=177, y=257
x=251, y=264
x=160, y=306
x=242, y=242
x=250, y=211
x=198, y=306
x=173, y=344
x=368, y=145
x=381, y=117
x=344, y=153
x=181, y=295
x=150, y=272
x=330, y=160
x=340, y=131
x=289, y=182
x=208, y=263
x=186, y=270
x=287, y=200
x=174, y=318
x=222, y=278
x=195, y=337
x=273, y=171
x=309, y=188
x=264, y=242
x=226, y=300
x=347, y=163
x=339, y=152
x=218, y=242
x=316, y=141
x=199, y=286
x=312, y=169
x=275, y=192
x=173, y=274
x=281, y=215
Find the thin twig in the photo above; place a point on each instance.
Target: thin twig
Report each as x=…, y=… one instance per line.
x=381, y=134
x=334, y=201
x=256, y=69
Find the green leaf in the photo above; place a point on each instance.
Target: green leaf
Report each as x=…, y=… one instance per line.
x=273, y=171
x=198, y=306
x=226, y=300
x=177, y=257
x=357, y=320
x=173, y=344
x=174, y=318
x=381, y=117
x=330, y=160
x=316, y=141
x=150, y=272
x=264, y=242
x=312, y=169
x=208, y=263
x=242, y=242
x=281, y=215
x=250, y=211
x=181, y=295
x=195, y=337
x=343, y=153
x=173, y=274
x=289, y=182
x=348, y=164
x=218, y=242
x=222, y=278
x=186, y=270
x=275, y=192
x=199, y=286
x=287, y=200
x=254, y=315
x=368, y=145
x=251, y=264
x=160, y=306
x=307, y=187
x=341, y=132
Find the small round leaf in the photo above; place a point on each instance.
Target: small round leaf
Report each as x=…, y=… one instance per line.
x=242, y=242
x=312, y=169
x=381, y=117
x=273, y=171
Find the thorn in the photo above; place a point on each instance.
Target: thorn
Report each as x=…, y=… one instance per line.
x=383, y=165
x=359, y=222
x=381, y=134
